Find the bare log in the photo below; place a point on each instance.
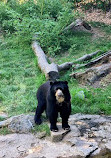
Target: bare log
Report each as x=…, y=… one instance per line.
x=78, y=75
x=101, y=71
x=93, y=74
x=87, y=56
x=65, y=66
x=51, y=71
x=77, y=23
x=102, y=58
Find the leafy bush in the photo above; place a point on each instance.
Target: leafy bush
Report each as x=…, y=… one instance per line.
x=100, y=4
x=8, y=18
x=45, y=18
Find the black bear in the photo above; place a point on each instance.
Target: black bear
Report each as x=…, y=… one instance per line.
x=54, y=97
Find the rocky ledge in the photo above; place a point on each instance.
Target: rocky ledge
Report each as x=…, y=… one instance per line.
x=90, y=137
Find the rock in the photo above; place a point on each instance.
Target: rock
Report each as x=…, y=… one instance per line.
x=108, y=145
x=96, y=132
x=41, y=135
x=80, y=95
x=5, y=122
x=21, y=149
x=19, y=124
x=58, y=136
x=90, y=137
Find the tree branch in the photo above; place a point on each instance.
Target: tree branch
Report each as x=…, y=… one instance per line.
x=87, y=56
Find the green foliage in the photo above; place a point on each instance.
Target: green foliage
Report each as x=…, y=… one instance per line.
x=1, y=118
x=96, y=101
x=45, y=18
x=8, y=18
x=4, y=131
x=42, y=128
x=19, y=80
x=99, y=4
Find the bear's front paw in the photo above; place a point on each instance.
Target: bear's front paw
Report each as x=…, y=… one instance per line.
x=54, y=128
x=38, y=121
x=66, y=127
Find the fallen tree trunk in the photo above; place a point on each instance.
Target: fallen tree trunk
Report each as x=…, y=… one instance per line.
x=87, y=56
x=100, y=71
x=77, y=24
x=93, y=74
x=65, y=66
x=102, y=58
x=51, y=71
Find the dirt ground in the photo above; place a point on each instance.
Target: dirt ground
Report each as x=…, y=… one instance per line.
x=90, y=136
x=102, y=17
x=98, y=16
x=29, y=146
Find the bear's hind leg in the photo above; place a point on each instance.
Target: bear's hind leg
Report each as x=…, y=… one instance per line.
x=39, y=110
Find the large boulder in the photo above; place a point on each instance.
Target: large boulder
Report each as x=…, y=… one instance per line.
x=90, y=137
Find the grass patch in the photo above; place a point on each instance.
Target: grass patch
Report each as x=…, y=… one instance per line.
x=102, y=26
x=4, y=131
x=19, y=80
x=42, y=128
x=20, y=77
x=95, y=102
x=1, y=118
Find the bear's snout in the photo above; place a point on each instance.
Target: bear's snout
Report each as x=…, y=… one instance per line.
x=59, y=93
x=59, y=96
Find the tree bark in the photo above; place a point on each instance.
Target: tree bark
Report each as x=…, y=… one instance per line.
x=51, y=71
x=65, y=66
x=104, y=58
x=76, y=25
x=87, y=56
x=100, y=71
x=93, y=74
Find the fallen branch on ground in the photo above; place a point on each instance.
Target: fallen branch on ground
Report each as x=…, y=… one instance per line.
x=102, y=58
x=76, y=24
x=93, y=74
x=51, y=71
x=87, y=56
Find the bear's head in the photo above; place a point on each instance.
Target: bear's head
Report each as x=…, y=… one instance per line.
x=58, y=88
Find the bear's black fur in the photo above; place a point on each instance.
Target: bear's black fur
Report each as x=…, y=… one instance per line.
x=47, y=101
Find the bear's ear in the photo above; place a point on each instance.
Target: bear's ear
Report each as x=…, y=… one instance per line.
x=51, y=82
x=65, y=82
